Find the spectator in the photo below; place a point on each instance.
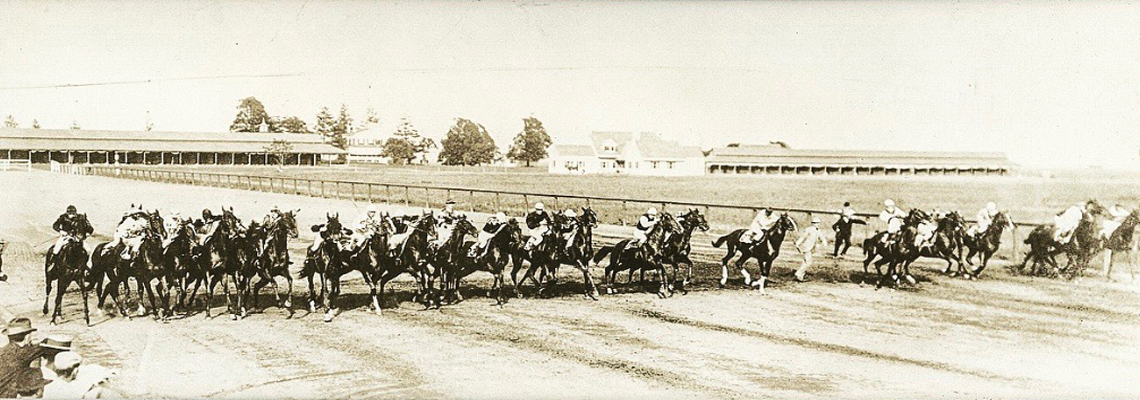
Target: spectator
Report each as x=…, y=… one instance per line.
x=806, y=244
x=68, y=385
x=17, y=356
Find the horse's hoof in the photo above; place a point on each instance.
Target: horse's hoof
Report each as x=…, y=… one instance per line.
x=910, y=279
x=609, y=290
x=53, y=323
x=288, y=304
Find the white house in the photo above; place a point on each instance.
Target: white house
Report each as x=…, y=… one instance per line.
x=627, y=153
x=365, y=146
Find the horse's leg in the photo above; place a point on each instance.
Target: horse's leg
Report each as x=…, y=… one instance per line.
x=47, y=292
x=312, y=293
x=591, y=290
x=289, y=292
x=740, y=265
x=64, y=282
x=211, y=282
x=1108, y=264
x=83, y=291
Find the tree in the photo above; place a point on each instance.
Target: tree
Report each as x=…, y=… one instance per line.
x=399, y=150
x=35, y=124
x=325, y=123
x=467, y=143
x=341, y=128
x=251, y=114
x=530, y=144
x=370, y=118
x=11, y=122
x=279, y=148
x=75, y=125
x=288, y=125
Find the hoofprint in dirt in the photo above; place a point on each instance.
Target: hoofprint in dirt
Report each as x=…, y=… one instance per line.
x=1001, y=336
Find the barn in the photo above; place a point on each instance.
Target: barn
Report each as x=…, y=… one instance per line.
x=138, y=147
x=630, y=153
x=780, y=159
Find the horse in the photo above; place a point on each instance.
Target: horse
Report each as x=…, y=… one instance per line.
x=893, y=251
x=541, y=258
x=69, y=265
x=678, y=247
x=1082, y=245
x=410, y=256
x=328, y=261
x=946, y=245
x=218, y=260
x=986, y=243
x=178, y=257
x=572, y=242
x=647, y=255
x=764, y=252
x=150, y=265
x=108, y=263
x=371, y=257
x=273, y=258
x=452, y=260
x=1121, y=240
x=245, y=259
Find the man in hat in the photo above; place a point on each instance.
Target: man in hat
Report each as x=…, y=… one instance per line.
x=538, y=222
x=367, y=224
x=765, y=220
x=490, y=229
x=130, y=231
x=66, y=225
x=893, y=216
x=51, y=346
x=69, y=384
x=842, y=228
x=17, y=356
x=805, y=244
x=644, y=225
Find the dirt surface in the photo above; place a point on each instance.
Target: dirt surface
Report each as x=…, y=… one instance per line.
x=1002, y=336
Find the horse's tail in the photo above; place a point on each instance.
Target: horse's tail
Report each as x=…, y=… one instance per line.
x=602, y=253
x=719, y=241
x=868, y=245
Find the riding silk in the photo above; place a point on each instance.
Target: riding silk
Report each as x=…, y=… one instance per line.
x=130, y=233
x=759, y=227
x=1066, y=223
x=644, y=224
x=66, y=225
x=893, y=216
x=1110, y=226
x=538, y=222
x=925, y=233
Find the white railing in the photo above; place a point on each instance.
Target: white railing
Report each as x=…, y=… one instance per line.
x=68, y=168
x=15, y=165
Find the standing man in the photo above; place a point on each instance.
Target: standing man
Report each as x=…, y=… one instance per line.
x=17, y=356
x=806, y=245
x=842, y=228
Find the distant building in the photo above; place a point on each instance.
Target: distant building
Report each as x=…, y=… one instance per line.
x=139, y=147
x=365, y=146
x=778, y=158
x=626, y=153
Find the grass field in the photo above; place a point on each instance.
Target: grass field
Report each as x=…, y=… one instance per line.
x=1003, y=336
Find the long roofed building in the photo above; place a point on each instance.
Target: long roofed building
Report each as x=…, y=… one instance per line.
x=779, y=159
x=138, y=147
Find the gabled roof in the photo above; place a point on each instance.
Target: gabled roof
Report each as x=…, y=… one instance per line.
x=572, y=150
x=649, y=146
x=97, y=140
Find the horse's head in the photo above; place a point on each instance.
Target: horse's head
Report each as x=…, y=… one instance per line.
x=333, y=226
x=915, y=217
x=951, y=221
x=669, y=224
x=695, y=218
x=514, y=231
x=81, y=227
x=588, y=218
x=786, y=223
x=426, y=224
x=1003, y=219
x=288, y=222
x=1094, y=209
x=464, y=227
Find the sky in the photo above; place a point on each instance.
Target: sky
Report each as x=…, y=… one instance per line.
x=1052, y=84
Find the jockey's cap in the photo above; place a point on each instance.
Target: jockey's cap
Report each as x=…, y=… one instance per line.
x=70, y=209
x=67, y=360
x=539, y=206
x=652, y=211
x=889, y=203
x=275, y=208
x=450, y=202
x=570, y=213
x=502, y=217
x=372, y=208
x=815, y=220
x=991, y=206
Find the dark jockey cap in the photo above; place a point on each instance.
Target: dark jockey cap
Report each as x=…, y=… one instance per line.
x=71, y=209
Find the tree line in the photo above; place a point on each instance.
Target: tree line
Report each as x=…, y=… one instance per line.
x=466, y=142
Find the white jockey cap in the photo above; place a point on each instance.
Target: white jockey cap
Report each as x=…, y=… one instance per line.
x=652, y=211
x=991, y=206
x=570, y=213
x=502, y=217
x=174, y=212
x=815, y=220
x=372, y=208
x=539, y=206
x=889, y=203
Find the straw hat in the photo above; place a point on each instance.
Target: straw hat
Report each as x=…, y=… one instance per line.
x=19, y=326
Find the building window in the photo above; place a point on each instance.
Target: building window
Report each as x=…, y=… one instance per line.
x=671, y=164
x=654, y=164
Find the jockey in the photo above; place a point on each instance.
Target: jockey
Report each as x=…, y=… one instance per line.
x=765, y=220
x=447, y=218
x=538, y=222
x=571, y=225
x=492, y=227
x=984, y=219
x=65, y=225
x=644, y=224
x=893, y=216
x=271, y=218
x=367, y=224
x=1066, y=222
x=130, y=232
x=172, y=222
x=1118, y=213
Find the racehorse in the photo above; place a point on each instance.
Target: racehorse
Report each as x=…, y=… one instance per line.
x=1121, y=241
x=69, y=265
x=109, y=263
x=647, y=255
x=273, y=258
x=946, y=245
x=451, y=260
x=541, y=258
x=178, y=258
x=893, y=251
x=764, y=252
x=410, y=256
x=678, y=247
x=245, y=259
x=218, y=260
x=328, y=261
x=1082, y=245
x=371, y=257
x=500, y=247
x=986, y=243
x=572, y=243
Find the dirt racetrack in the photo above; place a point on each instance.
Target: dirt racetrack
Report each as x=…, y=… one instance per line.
x=1001, y=336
